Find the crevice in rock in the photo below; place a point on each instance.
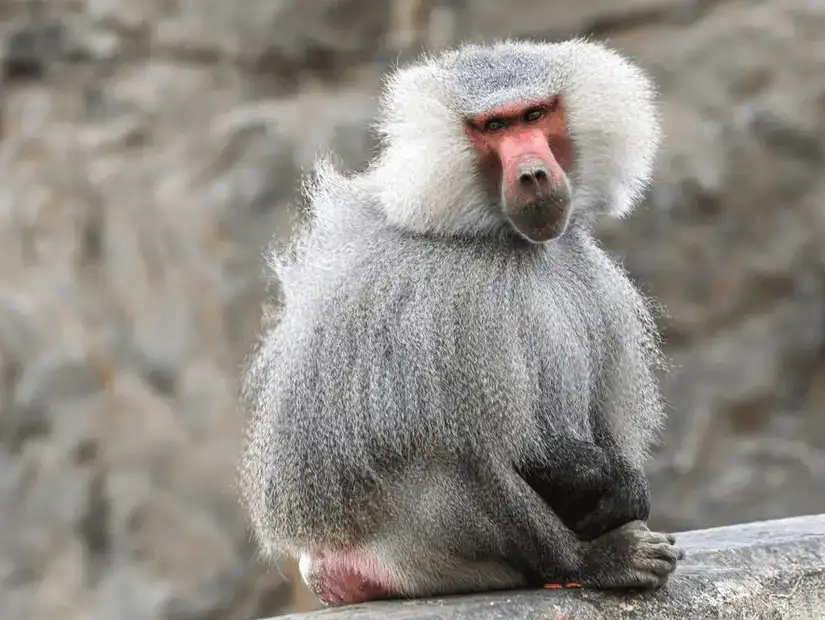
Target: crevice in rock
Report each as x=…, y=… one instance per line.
x=94, y=526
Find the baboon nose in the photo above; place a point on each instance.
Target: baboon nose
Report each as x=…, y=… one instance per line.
x=533, y=174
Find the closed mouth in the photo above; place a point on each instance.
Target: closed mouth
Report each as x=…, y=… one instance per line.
x=540, y=220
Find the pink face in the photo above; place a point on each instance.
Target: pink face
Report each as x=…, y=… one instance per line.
x=525, y=152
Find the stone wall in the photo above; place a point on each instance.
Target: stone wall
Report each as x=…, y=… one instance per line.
x=148, y=150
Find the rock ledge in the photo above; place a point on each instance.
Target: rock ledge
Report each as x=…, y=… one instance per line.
x=770, y=570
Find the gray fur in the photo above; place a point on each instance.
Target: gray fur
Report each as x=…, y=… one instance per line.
x=424, y=352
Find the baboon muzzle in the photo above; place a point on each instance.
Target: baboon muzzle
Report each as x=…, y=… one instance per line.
x=535, y=194
x=540, y=213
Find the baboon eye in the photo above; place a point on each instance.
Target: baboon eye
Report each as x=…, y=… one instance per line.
x=533, y=114
x=494, y=124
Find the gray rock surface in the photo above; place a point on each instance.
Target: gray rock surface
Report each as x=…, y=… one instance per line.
x=150, y=148
x=761, y=571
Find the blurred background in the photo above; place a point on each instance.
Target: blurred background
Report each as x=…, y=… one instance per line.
x=149, y=149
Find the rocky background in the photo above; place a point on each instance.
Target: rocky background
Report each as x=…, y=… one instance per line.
x=150, y=148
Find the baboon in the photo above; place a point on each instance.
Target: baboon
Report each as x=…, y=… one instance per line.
x=460, y=391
